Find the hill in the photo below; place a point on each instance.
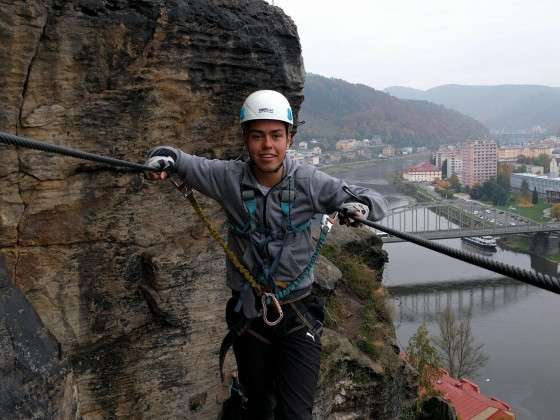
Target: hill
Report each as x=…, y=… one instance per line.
x=336, y=109
x=501, y=107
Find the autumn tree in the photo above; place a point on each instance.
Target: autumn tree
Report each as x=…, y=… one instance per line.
x=543, y=160
x=524, y=197
x=424, y=357
x=555, y=211
x=454, y=183
x=504, y=175
x=456, y=346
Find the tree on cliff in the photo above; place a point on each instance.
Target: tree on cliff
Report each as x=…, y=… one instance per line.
x=424, y=357
x=456, y=347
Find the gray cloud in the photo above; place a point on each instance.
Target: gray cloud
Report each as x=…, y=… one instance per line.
x=425, y=43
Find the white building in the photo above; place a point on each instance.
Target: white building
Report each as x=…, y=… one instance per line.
x=454, y=159
x=423, y=172
x=547, y=187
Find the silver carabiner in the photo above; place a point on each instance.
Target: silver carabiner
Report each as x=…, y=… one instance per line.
x=277, y=306
x=327, y=221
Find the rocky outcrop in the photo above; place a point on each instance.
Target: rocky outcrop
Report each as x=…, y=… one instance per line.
x=111, y=292
x=362, y=374
x=353, y=386
x=114, y=307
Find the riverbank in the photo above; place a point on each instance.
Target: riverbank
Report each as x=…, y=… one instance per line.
x=338, y=168
x=525, y=245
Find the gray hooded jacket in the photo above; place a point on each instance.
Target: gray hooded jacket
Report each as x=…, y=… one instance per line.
x=315, y=193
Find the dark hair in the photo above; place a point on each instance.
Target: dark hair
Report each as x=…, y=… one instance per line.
x=247, y=124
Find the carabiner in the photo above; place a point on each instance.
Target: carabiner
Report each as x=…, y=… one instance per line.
x=183, y=187
x=272, y=297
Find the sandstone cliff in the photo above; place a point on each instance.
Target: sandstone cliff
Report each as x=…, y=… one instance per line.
x=111, y=292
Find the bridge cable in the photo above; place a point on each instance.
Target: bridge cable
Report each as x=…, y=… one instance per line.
x=543, y=281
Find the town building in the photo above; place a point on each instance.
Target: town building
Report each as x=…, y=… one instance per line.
x=349, y=144
x=304, y=156
x=422, y=172
x=480, y=162
x=388, y=151
x=512, y=153
x=454, y=158
x=547, y=187
x=555, y=163
x=469, y=403
x=531, y=169
x=375, y=141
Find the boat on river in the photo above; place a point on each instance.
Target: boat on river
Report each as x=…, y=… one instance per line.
x=485, y=242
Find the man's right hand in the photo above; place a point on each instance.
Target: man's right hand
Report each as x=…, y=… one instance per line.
x=162, y=158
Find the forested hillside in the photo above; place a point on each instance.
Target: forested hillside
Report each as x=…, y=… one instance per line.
x=336, y=109
x=504, y=107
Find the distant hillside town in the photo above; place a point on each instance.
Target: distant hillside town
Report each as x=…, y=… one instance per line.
x=314, y=152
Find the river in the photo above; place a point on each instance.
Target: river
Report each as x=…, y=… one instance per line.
x=519, y=325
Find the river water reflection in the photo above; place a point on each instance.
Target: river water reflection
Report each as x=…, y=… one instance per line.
x=519, y=325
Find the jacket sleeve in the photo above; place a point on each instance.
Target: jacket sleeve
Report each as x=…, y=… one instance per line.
x=328, y=195
x=204, y=175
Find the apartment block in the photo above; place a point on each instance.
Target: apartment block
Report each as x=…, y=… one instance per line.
x=480, y=161
x=454, y=158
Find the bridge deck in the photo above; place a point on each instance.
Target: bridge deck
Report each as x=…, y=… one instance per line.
x=464, y=233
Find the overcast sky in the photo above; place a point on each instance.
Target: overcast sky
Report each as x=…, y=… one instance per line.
x=426, y=43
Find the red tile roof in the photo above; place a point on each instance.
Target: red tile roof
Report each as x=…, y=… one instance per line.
x=423, y=167
x=468, y=402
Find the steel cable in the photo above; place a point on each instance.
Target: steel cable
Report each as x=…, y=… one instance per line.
x=543, y=281
x=12, y=140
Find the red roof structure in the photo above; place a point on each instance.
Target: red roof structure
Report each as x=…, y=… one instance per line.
x=468, y=402
x=423, y=167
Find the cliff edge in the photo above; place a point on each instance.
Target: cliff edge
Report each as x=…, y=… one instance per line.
x=111, y=292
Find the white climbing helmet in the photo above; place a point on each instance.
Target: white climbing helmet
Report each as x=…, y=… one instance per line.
x=266, y=105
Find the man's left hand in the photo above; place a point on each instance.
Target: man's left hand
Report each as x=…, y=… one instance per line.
x=350, y=213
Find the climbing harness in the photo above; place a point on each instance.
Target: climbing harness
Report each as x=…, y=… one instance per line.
x=267, y=298
x=267, y=271
x=543, y=281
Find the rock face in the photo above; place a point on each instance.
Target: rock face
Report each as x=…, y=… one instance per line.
x=112, y=294
x=353, y=386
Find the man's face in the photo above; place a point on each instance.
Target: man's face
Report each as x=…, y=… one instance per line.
x=267, y=142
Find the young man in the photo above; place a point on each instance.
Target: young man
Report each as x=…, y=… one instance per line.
x=269, y=202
